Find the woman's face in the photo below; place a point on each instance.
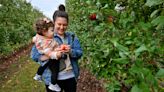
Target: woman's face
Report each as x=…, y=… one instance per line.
x=60, y=25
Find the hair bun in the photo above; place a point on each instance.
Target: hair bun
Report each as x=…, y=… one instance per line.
x=61, y=7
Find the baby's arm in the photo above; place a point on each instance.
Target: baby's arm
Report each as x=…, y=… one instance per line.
x=44, y=57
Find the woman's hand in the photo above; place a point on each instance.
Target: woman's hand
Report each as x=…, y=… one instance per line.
x=65, y=48
x=58, y=54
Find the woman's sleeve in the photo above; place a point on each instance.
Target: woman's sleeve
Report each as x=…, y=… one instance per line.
x=35, y=55
x=76, y=50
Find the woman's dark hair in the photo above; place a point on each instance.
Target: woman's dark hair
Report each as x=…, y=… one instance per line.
x=42, y=25
x=61, y=7
x=59, y=13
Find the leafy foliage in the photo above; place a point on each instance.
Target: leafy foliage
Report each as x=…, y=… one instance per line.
x=16, y=27
x=126, y=49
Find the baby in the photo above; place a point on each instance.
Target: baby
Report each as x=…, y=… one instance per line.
x=46, y=45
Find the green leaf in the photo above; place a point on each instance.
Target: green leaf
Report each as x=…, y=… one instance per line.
x=140, y=49
x=154, y=13
x=153, y=2
x=160, y=73
x=150, y=79
x=135, y=89
x=159, y=22
x=98, y=4
x=145, y=26
x=106, y=6
x=114, y=41
x=128, y=42
x=160, y=27
x=99, y=28
x=135, y=70
x=122, y=54
x=119, y=46
x=144, y=87
x=121, y=61
x=88, y=2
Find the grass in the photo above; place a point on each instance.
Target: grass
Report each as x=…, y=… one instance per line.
x=19, y=77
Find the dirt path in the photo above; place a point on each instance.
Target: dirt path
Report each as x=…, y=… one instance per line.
x=6, y=61
x=86, y=82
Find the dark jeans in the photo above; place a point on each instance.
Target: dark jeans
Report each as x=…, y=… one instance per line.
x=68, y=85
x=53, y=65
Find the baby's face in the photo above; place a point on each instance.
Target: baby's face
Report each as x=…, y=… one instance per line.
x=49, y=33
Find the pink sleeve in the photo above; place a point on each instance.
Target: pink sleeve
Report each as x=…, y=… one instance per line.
x=43, y=48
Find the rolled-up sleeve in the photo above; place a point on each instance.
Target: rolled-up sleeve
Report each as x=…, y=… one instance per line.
x=76, y=50
x=35, y=55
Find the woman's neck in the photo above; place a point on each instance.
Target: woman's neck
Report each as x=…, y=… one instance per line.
x=62, y=36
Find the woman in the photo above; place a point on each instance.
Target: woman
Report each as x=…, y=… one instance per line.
x=67, y=78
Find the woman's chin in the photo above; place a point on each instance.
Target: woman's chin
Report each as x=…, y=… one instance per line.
x=61, y=32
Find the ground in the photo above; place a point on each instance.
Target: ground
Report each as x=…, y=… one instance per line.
x=87, y=82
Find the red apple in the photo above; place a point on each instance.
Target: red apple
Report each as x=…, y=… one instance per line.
x=92, y=16
x=63, y=47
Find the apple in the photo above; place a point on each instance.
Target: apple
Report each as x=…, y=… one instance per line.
x=92, y=16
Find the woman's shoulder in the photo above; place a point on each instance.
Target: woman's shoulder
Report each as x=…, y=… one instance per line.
x=70, y=33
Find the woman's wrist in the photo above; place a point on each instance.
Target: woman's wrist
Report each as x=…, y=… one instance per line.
x=70, y=52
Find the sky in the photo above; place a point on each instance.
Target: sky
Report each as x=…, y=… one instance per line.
x=46, y=6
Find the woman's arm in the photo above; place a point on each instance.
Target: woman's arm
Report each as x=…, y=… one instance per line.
x=35, y=55
x=76, y=50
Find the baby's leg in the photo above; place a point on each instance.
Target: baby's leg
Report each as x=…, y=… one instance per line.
x=42, y=68
x=40, y=71
x=54, y=67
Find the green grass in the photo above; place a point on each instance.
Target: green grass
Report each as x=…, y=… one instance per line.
x=21, y=77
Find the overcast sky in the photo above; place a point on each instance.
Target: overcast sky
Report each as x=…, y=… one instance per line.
x=47, y=6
